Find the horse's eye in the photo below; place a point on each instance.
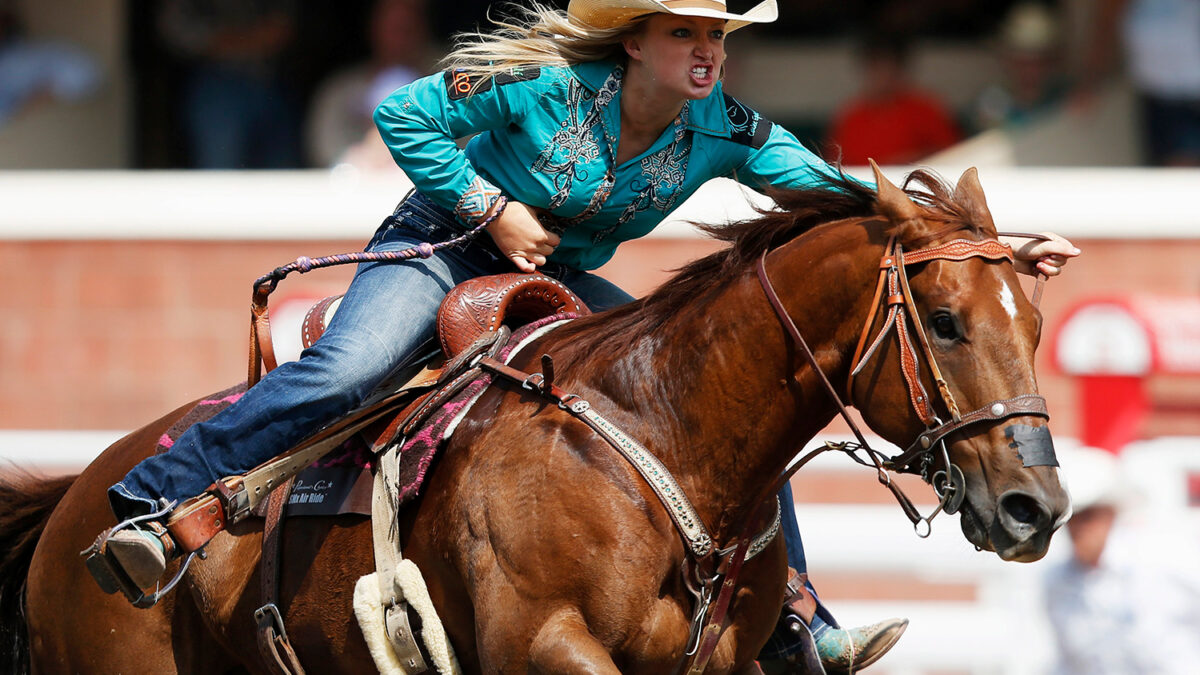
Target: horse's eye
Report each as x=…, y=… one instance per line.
x=944, y=327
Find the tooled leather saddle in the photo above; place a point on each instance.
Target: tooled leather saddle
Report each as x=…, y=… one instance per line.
x=473, y=319
x=470, y=320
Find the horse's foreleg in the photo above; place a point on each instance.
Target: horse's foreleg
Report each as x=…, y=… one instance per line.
x=564, y=645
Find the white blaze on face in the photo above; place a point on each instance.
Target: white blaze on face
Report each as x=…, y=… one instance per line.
x=1007, y=300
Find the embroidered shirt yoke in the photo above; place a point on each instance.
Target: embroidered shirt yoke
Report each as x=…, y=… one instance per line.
x=547, y=137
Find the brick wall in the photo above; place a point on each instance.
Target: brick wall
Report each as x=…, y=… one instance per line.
x=110, y=335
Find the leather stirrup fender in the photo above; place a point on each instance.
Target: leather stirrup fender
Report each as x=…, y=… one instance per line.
x=799, y=599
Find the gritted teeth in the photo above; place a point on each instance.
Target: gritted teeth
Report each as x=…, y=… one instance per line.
x=701, y=71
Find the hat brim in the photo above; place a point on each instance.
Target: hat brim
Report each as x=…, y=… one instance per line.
x=602, y=14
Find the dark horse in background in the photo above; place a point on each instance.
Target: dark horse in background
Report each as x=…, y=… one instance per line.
x=543, y=549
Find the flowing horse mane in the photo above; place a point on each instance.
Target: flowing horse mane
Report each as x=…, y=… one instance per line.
x=829, y=199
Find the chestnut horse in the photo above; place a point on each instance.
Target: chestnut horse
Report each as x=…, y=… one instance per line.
x=544, y=551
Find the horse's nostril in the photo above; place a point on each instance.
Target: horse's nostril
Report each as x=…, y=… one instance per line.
x=1023, y=508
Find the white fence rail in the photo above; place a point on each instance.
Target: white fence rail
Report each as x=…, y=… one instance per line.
x=344, y=203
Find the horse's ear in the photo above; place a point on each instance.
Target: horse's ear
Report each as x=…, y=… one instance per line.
x=969, y=194
x=893, y=203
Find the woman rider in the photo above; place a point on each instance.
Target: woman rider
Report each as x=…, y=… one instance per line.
x=598, y=122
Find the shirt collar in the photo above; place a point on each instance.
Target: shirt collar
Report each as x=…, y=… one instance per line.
x=707, y=116
x=593, y=73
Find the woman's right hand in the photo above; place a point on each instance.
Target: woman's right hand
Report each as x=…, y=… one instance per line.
x=521, y=238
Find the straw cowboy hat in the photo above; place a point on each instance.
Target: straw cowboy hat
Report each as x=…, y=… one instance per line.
x=1094, y=478
x=614, y=13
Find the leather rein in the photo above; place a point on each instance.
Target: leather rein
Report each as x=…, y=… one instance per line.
x=893, y=296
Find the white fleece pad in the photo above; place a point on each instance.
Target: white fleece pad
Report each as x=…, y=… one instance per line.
x=369, y=609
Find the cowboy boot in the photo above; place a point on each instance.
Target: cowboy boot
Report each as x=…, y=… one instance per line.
x=848, y=651
x=794, y=648
x=840, y=652
x=142, y=552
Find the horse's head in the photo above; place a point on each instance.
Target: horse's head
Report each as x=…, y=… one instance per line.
x=959, y=398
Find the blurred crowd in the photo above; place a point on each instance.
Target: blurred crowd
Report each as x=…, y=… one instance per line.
x=248, y=97
x=285, y=84
x=1127, y=599
x=34, y=71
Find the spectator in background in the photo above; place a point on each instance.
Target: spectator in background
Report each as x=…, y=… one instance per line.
x=237, y=111
x=891, y=121
x=1124, y=603
x=1161, y=41
x=1030, y=53
x=340, y=124
x=32, y=71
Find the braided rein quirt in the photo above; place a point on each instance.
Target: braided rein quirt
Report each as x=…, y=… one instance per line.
x=423, y=250
x=262, y=352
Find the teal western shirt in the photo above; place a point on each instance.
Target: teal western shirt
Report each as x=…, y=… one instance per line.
x=547, y=137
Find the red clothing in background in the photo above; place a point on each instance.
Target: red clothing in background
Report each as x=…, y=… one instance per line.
x=899, y=130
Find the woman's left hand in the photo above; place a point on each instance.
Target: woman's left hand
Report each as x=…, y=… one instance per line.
x=521, y=238
x=1045, y=257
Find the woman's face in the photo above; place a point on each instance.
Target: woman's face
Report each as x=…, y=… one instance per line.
x=1089, y=530
x=681, y=55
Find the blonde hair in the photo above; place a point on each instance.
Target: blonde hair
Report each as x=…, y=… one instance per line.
x=535, y=36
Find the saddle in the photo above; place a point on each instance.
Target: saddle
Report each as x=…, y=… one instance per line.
x=470, y=319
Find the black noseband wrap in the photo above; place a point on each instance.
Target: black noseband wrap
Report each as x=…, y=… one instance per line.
x=1033, y=444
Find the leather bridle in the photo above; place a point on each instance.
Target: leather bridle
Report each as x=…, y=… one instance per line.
x=902, y=312
x=893, y=296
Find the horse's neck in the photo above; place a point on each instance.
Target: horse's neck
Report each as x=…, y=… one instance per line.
x=742, y=398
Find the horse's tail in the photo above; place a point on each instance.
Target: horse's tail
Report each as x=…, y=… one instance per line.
x=26, y=502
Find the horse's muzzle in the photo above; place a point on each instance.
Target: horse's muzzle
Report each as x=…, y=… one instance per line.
x=1022, y=515
x=1022, y=527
